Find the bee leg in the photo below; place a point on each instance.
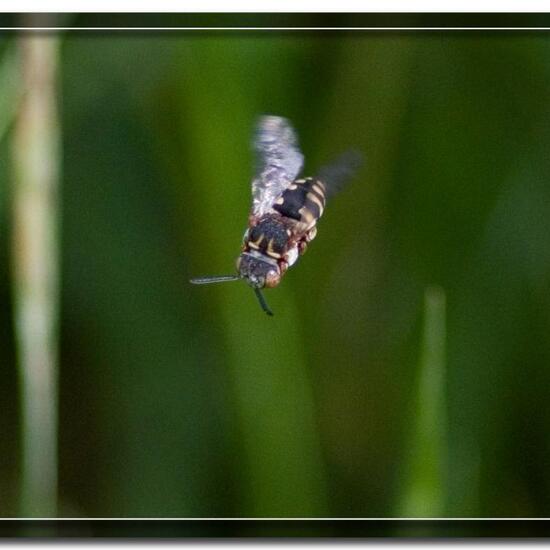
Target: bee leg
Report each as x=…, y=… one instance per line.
x=283, y=266
x=244, y=244
x=302, y=246
x=310, y=235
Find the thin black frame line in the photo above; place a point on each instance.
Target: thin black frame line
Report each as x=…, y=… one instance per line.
x=178, y=519
x=426, y=29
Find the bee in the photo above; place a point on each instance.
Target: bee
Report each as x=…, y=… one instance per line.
x=285, y=209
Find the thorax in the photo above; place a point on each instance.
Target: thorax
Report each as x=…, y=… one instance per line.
x=270, y=235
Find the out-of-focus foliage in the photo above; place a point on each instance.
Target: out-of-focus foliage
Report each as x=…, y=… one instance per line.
x=424, y=486
x=188, y=401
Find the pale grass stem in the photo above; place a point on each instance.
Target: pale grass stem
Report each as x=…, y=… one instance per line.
x=36, y=168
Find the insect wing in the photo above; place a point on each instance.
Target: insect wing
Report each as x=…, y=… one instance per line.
x=279, y=161
x=337, y=174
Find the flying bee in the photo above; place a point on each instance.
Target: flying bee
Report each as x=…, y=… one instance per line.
x=285, y=210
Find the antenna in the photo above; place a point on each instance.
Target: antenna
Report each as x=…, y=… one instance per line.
x=262, y=301
x=214, y=279
x=226, y=278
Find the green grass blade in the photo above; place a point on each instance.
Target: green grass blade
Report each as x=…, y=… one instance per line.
x=424, y=488
x=284, y=470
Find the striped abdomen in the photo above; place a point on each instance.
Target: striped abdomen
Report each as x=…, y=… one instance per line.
x=304, y=201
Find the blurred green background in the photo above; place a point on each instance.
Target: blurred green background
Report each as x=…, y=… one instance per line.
x=405, y=372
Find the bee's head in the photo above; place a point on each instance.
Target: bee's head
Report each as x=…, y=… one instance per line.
x=258, y=273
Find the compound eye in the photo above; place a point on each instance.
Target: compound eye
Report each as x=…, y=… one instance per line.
x=272, y=279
